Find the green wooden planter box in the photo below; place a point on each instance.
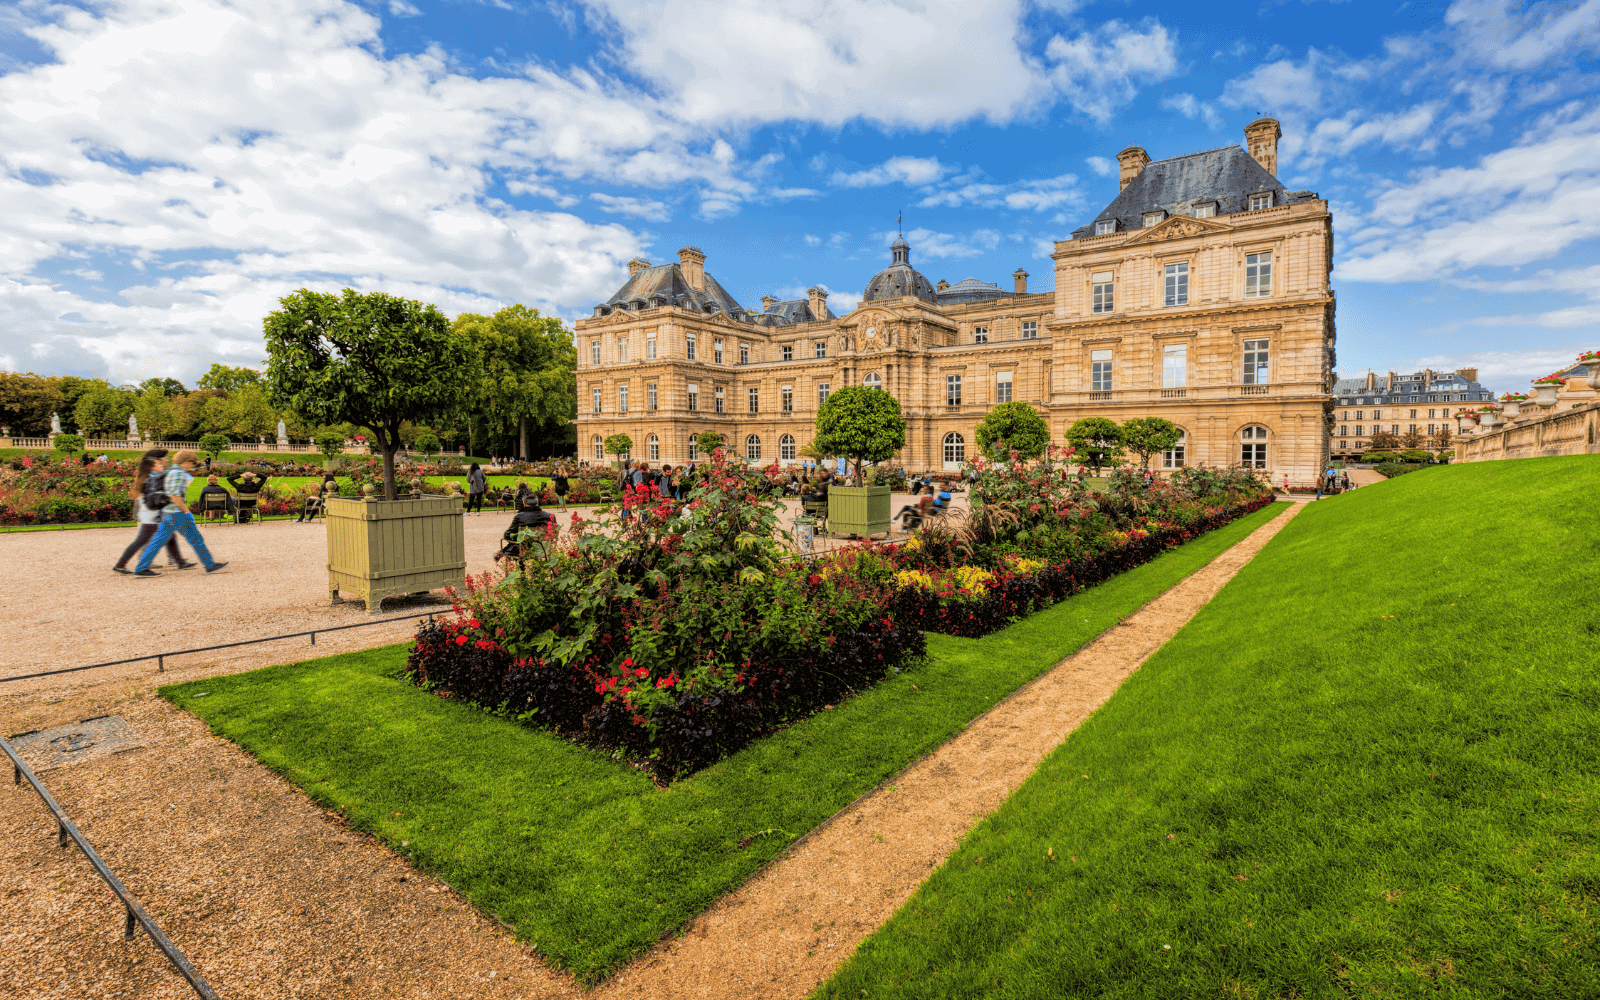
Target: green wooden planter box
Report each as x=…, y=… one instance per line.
x=391, y=548
x=858, y=510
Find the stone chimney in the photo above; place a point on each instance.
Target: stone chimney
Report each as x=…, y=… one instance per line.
x=1427, y=379
x=1372, y=380
x=1470, y=374
x=693, y=262
x=1261, y=139
x=1391, y=382
x=1020, y=278
x=819, y=302
x=1133, y=160
x=943, y=285
x=767, y=302
x=636, y=265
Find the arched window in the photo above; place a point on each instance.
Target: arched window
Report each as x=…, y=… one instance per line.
x=599, y=448
x=1172, y=458
x=752, y=448
x=1253, y=447
x=872, y=381
x=655, y=448
x=786, y=448
x=955, y=451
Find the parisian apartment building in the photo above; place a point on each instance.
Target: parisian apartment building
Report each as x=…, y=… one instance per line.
x=1418, y=408
x=1200, y=293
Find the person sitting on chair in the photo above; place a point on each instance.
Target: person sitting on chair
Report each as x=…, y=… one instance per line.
x=528, y=515
x=315, y=495
x=247, y=484
x=213, y=507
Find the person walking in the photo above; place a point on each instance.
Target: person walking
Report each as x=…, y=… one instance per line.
x=175, y=517
x=149, y=465
x=560, y=484
x=477, y=486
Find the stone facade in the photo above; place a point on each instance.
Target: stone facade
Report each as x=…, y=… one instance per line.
x=1200, y=295
x=1424, y=403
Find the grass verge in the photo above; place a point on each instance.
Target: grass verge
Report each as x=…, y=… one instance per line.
x=1365, y=769
x=584, y=855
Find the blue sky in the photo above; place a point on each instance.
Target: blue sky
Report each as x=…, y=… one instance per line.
x=170, y=167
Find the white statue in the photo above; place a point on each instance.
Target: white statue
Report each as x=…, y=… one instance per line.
x=133, y=427
x=283, y=435
x=55, y=423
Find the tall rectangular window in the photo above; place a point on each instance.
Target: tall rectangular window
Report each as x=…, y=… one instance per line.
x=821, y=349
x=1002, y=387
x=744, y=354
x=594, y=352
x=980, y=335
x=1175, y=366
x=694, y=397
x=694, y=447
x=788, y=399
x=596, y=406
x=1258, y=274
x=952, y=390
x=822, y=394
x=622, y=350
x=622, y=399
x=1344, y=430
x=788, y=352
x=650, y=396
x=1359, y=432
x=755, y=400
x=1256, y=369
x=1101, y=297
x=720, y=405
x=1177, y=276
x=1413, y=417
x=1377, y=414
x=689, y=346
x=650, y=347
x=716, y=351
x=1099, y=371
x=1030, y=329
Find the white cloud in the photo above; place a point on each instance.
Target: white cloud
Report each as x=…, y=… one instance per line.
x=1192, y=107
x=1411, y=129
x=400, y=8
x=813, y=241
x=639, y=208
x=784, y=194
x=928, y=243
x=1532, y=36
x=1099, y=71
x=1502, y=370
x=1102, y=165
x=913, y=171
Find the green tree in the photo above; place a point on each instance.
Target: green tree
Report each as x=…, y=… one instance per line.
x=26, y=402
x=216, y=444
x=165, y=386
x=1017, y=426
x=74, y=388
x=154, y=410
x=102, y=411
x=69, y=444
x=528, y=369
x=427, y=444
x=619, y=445
x=229, y=378
x=374, y=359
x=330, y=444
x=1146, y=436
x=863, y=425
x=1097, y=440
x=248, y=412
x=706, y=443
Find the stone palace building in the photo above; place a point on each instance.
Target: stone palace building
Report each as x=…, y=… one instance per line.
x=1199, y=294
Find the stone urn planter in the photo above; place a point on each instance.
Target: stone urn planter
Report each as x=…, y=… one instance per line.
x=1545, y=394
x=858, y=510
x=1489, y=420
x=390, y=548
x=1513, y=409
x=1593, y=364
x=1465, y=424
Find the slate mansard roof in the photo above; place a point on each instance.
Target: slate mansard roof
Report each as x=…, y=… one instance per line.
x=664, y=285
x=1227, y=176
x=972, y=290
x=790, y=312
x=1446, y=387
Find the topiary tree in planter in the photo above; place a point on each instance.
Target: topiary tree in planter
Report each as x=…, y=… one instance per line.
x=706, y=444
x=331, y=445
x=1146, y=436
x=863, y=425
x=427, y=444
x=216, y=444
x=1097, y=439
x=68, y=444
x=373, y=360
x=619, y=445
x=1014, y=426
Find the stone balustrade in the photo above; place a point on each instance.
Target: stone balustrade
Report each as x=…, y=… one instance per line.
x=1550, y=432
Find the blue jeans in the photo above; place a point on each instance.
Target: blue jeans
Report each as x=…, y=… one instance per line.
x=175, y=521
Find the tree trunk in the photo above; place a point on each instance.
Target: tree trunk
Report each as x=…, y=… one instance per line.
x=522, y=438
x=389, y=443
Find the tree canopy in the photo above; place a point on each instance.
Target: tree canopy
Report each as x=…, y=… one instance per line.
x=1097, y=440
x=102, y=411
x=864, y=425
x=229, y=378
x=1146, y=436
x=707, y=443
x=1016, y=426
x=165, y=386
x=619, y=445
x=370, y=359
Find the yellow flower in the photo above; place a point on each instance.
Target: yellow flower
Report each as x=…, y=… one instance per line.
x=912, y=544
x=914, y=578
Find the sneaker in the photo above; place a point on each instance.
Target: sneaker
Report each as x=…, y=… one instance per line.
x=146, y=574
x=215, y=566
x=125, y=571
x=187, y=565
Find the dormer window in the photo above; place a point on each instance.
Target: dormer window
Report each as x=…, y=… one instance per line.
x=1260, y=201
x=1205, y=211
x=1153, y=218
x=1105, y=227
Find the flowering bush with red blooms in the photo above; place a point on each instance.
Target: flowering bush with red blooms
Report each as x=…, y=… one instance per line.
x=36, y=489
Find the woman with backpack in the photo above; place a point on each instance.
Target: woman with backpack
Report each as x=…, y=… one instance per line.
x=477, y=486
x=175, y=516
x=151, y=465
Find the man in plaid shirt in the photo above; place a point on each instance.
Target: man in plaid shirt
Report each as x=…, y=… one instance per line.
x=175, y=517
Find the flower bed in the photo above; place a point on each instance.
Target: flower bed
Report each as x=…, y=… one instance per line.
x=690, y=631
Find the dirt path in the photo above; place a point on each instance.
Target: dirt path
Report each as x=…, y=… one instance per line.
x=785, y=930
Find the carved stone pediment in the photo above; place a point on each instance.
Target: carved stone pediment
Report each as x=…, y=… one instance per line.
x=1178, y=227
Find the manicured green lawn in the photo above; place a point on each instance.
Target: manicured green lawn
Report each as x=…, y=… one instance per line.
x=1367, y=768
x=584, y=855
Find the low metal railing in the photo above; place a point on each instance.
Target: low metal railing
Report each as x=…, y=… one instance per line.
x=161, y=658
x=134, y=913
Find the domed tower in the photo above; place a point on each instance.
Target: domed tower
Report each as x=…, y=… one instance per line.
x=899, y=278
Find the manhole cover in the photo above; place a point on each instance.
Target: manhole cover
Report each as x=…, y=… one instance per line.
x=86, y=740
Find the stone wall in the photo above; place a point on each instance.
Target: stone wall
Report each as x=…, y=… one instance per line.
x=1560, y=432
